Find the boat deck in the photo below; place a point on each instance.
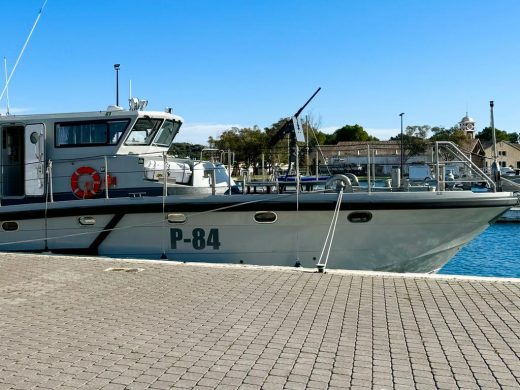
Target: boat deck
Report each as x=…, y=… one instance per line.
x=70, y=322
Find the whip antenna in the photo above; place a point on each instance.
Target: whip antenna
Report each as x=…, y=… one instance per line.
x=7, y=90
x=23, y=49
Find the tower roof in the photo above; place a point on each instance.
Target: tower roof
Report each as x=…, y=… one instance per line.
x=467, y=119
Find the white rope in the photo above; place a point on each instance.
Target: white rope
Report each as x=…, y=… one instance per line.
x=165, y=193
x=330, y=234
x=23, y=49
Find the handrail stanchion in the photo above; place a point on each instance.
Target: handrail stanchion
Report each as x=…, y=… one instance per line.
x=165, y=175
x=437, y=170
x=49, y=174
x=106, y=177
x=164, y=217
x=213, y=180
x=368, y=168
x=229, y=173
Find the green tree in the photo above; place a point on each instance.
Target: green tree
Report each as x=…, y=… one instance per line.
x=453, y=134
x=418, y=131
x=310, y=129
x=276, y=154
x=352, y=133
x=330, y=139
x=414, y=140
x=248, y=144
x=185, y=150
x=486, y=135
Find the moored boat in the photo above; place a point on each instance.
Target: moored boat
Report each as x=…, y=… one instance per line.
x=102, y=183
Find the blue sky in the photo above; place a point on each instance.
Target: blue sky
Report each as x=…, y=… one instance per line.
x=242, y=63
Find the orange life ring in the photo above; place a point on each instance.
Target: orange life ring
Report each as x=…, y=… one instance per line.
x=90, y=187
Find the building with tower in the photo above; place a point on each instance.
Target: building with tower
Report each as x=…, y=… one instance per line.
x=467, y=124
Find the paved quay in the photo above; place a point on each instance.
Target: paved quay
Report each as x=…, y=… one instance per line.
x=69, y=323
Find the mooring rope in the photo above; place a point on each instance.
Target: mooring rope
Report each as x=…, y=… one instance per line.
x=330, y=234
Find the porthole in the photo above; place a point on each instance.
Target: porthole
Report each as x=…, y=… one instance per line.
x=176, y=218
x=265, y=217
x=87, y=221
x=359, y=216
x=10, y=226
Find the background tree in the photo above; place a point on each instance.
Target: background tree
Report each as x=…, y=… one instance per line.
x=248, y=144
x=314, y=138
x=352, y=133
x=486, y=135
x=185, y=150
x=418, y=131
x=453, y=134
x=277, y=154
x=414, y=140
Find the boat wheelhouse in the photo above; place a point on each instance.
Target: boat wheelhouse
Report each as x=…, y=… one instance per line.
x=110, y=153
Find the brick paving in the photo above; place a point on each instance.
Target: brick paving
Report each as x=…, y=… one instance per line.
x=67, y=323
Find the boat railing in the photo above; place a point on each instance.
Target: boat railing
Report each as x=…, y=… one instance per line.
x=446, y=168
x=376, y=173
x=47, y=178
x=456, y=156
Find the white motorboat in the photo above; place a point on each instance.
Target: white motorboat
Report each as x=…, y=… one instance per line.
x=101, y=183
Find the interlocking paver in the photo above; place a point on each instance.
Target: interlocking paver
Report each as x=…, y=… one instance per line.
x=68, y=323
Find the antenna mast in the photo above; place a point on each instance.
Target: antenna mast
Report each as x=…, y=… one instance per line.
x=116, y=68
x=23, y=49
x=7, y=88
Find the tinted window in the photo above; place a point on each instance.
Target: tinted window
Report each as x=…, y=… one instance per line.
x=116, y=130
x=221, y=175
x=167, y=132
x=143, y=131
x=89, y=133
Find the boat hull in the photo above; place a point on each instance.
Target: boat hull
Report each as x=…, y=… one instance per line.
x=400, y=232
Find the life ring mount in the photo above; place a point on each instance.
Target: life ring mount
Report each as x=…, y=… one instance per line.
x=88, y=186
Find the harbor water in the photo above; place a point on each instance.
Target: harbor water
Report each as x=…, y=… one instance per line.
x=495, y=252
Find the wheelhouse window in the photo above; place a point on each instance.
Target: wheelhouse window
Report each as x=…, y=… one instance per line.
x=89, y=133
x=221, y=175
x=167, y=132
x=144, y=131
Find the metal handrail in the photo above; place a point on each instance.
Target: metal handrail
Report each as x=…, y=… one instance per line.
x=468, y=161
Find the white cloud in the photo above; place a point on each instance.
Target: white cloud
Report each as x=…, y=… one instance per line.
x=383, y=134
x=14, y=110
x=330, y=129
x=198, y=133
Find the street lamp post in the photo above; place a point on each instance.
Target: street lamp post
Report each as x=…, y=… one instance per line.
x=402, y=149
x=116, y=67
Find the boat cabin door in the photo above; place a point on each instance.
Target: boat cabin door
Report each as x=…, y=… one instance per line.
x=35, y=159
x=22, y=160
